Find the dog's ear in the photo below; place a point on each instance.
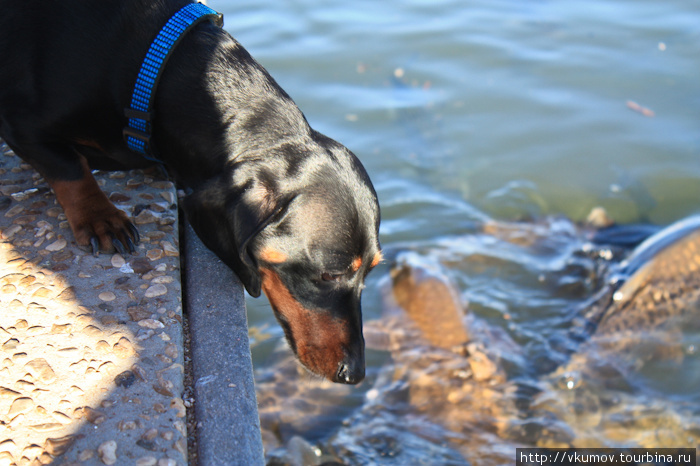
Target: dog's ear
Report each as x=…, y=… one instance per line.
x=258, y=209
x=228, y=223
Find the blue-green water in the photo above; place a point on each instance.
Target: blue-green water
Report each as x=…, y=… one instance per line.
x=503, y=109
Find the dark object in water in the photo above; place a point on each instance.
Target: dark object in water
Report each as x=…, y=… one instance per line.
x=626, y=236
x=658, y=282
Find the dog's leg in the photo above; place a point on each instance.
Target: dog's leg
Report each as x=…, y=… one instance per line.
x=92, y=217
x=95, y=222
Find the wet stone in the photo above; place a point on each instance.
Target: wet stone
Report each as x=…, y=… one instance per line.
x=164, y=359
x=164, y=279
x=105, y=307
x=141, y=265
x=68, y=294
x=126, y=379
x=121, y=281
x=107, y=452
x=7, y=393
x=179, y=406
x=10, y=232
x=57, y=245
x=107, y=296
x=156, y=290
x=41, y=370
x=20, y=406
x=123, y=348
x=153, y=274
x=103, y=347
x=145, y=217
x=93, y=416
x=139, y=372
x=154, y=254
x=151, y=323
x=169, y=249
x=137, y=313
x=21, y=324
x=42, y=293
x=54, y=212
x=482, y=367
x=63, y=256
x=46, y=426
x=156, y=235
x=92, y=331
x=162, y=185
x=118, y=198
x=26, y=281
x=10, y=344
x=58, y=446
x=117, y=261
x=8, y=289
x=147, y=444
x=146, y=461
x=14, y=210
x=171, y=351
x=144, y=334
x=133, y=183
x=159, y=408
x=163, y=387
x=126, y=425
x=24, y=220
x=169, y=197
x=16, y=305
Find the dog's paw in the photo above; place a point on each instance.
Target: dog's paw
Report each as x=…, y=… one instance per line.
x=104, y=228
x=97, y=225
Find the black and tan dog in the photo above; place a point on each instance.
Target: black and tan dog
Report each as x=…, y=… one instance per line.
x=291, y=211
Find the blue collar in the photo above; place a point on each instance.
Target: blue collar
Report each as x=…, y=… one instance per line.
x=137, y=133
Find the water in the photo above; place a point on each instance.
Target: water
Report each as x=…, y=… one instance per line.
x=464, y=111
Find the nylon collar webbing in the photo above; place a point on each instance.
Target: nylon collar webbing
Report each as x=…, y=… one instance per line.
x=137, y=133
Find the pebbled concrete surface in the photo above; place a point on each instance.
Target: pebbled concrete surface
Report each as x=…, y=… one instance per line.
x=91, y=349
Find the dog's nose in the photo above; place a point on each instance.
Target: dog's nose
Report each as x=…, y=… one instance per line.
x=350, y=372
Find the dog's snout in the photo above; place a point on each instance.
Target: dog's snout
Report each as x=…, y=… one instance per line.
x=350, y=372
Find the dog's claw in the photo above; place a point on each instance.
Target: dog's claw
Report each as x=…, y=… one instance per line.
x=129, y=244
x=118, y=245
x=95, y=245
x=134, y=232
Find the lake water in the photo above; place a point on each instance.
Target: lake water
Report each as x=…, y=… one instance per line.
x=505, y=109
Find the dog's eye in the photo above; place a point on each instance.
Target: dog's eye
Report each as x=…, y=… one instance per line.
x=331, y=277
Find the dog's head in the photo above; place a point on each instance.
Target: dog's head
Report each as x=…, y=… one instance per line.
x=304, y=231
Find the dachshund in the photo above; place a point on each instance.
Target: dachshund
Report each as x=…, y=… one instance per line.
x=290, y=210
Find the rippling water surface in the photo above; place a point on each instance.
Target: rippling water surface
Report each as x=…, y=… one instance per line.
x=475, y=110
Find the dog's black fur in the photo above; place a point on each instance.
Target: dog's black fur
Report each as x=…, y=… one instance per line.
x=291, y=211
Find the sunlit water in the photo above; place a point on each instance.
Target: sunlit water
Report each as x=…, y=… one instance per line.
x=463, y=111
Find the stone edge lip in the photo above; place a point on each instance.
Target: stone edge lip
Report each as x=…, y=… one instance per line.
x=226, y=410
